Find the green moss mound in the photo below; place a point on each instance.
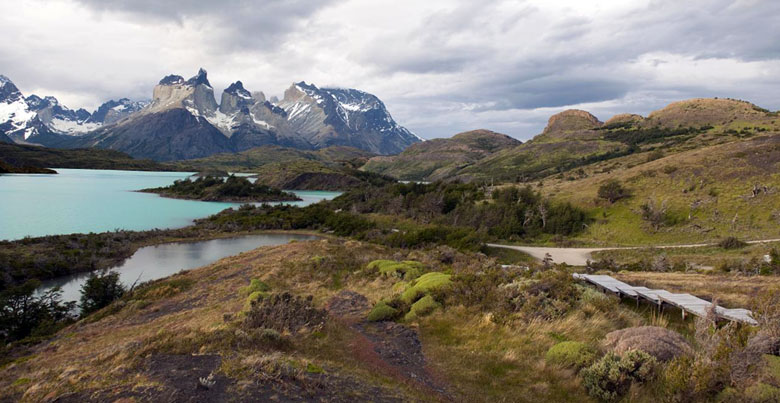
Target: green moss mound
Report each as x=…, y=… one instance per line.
x=422, y=307
x=424, y=284
x=572, y=354
x=382, y=311
x=255, y=285
x=407, y=269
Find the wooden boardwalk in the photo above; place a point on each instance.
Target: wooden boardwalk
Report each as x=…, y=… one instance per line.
x=687, y=303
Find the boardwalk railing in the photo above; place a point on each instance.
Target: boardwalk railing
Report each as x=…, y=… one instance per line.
x=687, y=303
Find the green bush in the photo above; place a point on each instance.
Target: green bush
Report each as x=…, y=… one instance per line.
x=422, y=307
x=408, y=269
x=573, y=354
x=99, y=290
x=254, y=286
x=731, y=243
x=424, y=284
x=382, y=311
x=612, y=191
x=610, y=378
x=762, y=392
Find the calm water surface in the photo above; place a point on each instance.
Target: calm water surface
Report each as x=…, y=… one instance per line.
x=85, y=200
x=153, y=262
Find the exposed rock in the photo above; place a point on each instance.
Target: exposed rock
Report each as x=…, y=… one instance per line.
x=764, y=343
x=571, y=120
x=439, y=158
x=285, y=313
x=659, y=342
x=624, y=118
x=700, y=112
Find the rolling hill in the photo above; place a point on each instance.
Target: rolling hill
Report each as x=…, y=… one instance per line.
x=441, y=158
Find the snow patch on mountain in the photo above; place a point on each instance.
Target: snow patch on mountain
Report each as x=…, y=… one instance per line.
x=72, y=127
x=17, y=113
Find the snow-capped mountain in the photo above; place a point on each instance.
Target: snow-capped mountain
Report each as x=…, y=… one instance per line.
x=335, y=116
x=44, y=120
x=16, y=116
x=183, y=120
x=59, y=118
x=114, y=111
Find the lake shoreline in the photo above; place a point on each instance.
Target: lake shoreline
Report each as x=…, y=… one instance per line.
x=141, y=239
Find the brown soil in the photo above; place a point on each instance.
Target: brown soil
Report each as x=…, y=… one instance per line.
x=389, y=347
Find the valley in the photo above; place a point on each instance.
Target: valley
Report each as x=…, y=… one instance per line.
x=370, y=269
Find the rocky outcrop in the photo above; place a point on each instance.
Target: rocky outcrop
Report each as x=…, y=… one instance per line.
x=439, y=158
x=571, y=120
x=661, y=343
x=704, y=112
x=624, y=119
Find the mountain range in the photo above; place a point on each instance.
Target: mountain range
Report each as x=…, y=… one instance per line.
x=183, y=120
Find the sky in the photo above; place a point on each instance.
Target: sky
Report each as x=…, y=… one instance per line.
x=441, y=66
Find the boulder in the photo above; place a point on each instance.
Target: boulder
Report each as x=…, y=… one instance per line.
x=661, y=343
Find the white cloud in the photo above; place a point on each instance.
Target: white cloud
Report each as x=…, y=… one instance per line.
x=441, y=66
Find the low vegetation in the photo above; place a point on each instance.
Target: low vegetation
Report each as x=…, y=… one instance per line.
x=233, y=189
x=29, y=157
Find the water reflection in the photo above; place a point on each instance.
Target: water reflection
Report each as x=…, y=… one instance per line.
x=153, y=262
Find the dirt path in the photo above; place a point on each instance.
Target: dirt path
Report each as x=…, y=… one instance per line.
x=389, y=347
x=580, y=256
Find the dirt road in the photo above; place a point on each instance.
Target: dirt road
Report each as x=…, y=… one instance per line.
x=580, y=256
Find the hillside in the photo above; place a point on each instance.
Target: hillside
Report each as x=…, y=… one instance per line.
x=574, y=139
x=234, y=189
x=35, y=156
x=702, y=195
x=331, y=168
x=441, y=158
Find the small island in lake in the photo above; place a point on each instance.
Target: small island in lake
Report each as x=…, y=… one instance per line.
x=233, y=189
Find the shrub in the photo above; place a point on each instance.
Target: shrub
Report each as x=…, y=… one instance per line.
x=549, y=295
x=610, y=378
x=422, y=307
x=382, y=311
x=408, y=269
x=255, y=285
x=761, y=392
x=731, y=243
x=424, y=284
x=99, y=290
x=572, y=354
x=612, y=191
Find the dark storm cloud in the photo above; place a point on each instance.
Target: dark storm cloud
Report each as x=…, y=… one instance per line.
x=246, y=23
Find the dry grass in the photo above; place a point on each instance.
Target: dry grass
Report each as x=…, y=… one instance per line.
x=733, y=291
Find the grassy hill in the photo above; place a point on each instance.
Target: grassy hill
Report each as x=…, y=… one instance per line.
x=575, y=139
x=441, y=158
x=253, y=159
x=331, y=168
x=18, y=155
x=707, y=193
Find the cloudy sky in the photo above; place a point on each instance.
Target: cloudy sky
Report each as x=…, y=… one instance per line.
x=441, y=66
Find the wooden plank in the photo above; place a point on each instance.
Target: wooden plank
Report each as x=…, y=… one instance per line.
x=686, y=302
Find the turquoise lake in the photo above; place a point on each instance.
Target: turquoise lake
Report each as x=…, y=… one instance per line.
x=85, y=200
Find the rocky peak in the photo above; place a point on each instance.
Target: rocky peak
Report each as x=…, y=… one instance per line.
x=199, y=79
x=235, y=98
x=172, y=79
x=113, y=111
x=571, y=120
x=237, y=88
x=8, y=91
